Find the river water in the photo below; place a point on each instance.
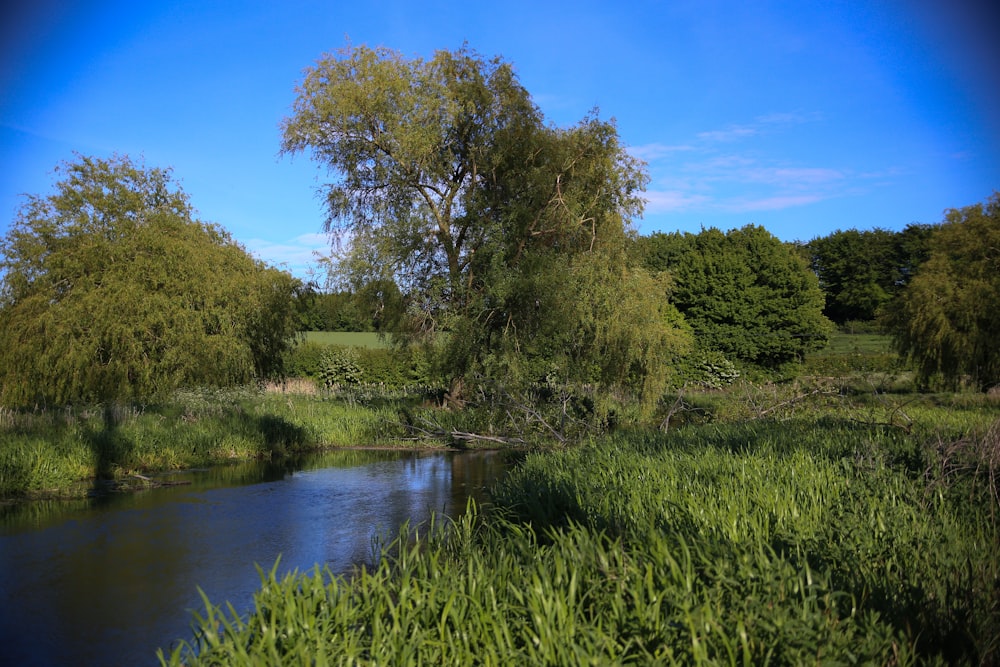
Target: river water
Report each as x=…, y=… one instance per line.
x=108, y=581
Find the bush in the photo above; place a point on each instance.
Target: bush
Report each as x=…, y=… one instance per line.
x=392, y=367
x=340, y=367
x=707, y=368
x=305, y=360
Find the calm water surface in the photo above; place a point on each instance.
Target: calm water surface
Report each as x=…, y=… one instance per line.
x=108, y=582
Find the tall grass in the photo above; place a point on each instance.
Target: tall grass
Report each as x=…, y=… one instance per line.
x=802, y=541
x=75, y=451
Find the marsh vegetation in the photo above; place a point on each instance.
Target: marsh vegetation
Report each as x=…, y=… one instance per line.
x=823, y=533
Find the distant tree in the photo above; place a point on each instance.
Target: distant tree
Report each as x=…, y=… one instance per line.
x=373, y=307
x=861, y=271
x=947, y=320
x=112, y=290
x=857, y=272
x=495, y=225
x=331, y=311
x=744, y=293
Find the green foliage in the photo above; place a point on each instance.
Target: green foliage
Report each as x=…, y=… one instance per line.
x=373, y=307
x=111, y=291
x=392, y=367
x=744, y=293
x=369, y=339
x=861, y=271
x=947, y=320
x=304, y=360
x=708, y=369
x=331, y=311
x=410, y=139
x=338, y=366
x=505, y=233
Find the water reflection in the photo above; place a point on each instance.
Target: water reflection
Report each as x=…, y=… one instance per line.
x=107, y=582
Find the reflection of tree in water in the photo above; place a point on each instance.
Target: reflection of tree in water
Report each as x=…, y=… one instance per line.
x=474, y=474
x=115, y=580
x=417, y=487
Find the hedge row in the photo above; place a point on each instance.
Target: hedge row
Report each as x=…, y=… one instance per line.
x=387, y=366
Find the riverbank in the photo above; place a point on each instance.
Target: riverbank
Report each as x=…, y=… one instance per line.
x=815, y=537
x=92, y=450
x=79, y=451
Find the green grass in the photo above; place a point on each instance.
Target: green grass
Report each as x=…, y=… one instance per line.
x=814, y=539
x=853, y=355
x=843, y=343
x=368, y=339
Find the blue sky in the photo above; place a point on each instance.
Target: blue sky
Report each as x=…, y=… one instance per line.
x=802, y=116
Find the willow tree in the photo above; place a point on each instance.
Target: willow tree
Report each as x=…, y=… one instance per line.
x=447, y=179
x=947, y=319
x=111, y=290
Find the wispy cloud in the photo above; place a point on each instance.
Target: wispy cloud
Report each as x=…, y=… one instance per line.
x=296, y=255
x=670, y=201
x=656, y=151
x=794, y=176
x=731, y=133
x=741, y=168
x=760, y=125
x=776, y=203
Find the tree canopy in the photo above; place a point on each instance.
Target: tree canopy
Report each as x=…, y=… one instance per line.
x=508, y=233
x=744, y=292
x=112, y=290
x=947, y=320
x=861, y=271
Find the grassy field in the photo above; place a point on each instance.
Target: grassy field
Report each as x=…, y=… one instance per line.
x=349, y=338
x=842, y=343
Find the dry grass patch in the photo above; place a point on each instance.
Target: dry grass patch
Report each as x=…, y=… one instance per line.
x=299, y=386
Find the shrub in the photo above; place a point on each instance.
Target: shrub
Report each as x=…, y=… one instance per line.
x=339, y=367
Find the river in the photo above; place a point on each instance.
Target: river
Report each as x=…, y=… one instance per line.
x=108, y=581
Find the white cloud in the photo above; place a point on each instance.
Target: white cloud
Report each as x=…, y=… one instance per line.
x=732, y=133
x=699, y=177
x=794, y=176
x=296, y=255
x=670, y=201
x=656, y=151
x=775, y=203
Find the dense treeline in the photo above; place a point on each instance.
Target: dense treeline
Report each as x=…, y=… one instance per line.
x=862, y=271
x=744, y=293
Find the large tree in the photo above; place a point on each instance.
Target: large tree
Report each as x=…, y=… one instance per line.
x=504, y=231
x=947, y=320
x=112, y=290
x=409, y=143
x=743, y=292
